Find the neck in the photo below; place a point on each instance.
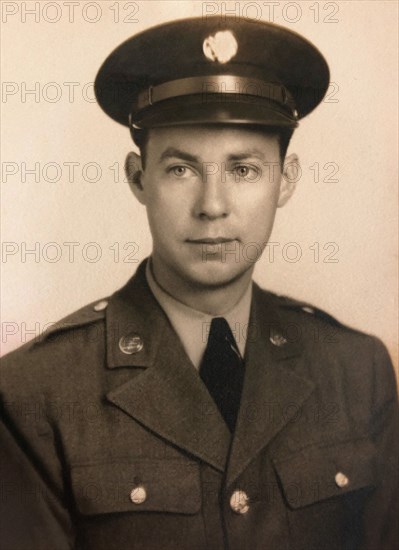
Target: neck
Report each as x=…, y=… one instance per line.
x=214, y=300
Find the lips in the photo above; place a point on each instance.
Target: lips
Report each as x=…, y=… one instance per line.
x=209, y=240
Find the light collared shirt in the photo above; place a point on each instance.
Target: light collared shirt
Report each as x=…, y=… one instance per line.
x=192, y=326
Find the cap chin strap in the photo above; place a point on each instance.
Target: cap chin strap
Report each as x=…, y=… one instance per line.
x=216, y=84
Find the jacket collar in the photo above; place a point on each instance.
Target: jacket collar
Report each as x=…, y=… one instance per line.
x=133, y=310
x=275, y=383
x=169, y=398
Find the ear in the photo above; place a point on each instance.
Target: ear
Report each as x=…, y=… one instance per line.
x=134, y=173
x=291, y=174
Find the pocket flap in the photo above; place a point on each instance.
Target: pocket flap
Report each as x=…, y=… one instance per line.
x=319, y=473
x=140, y=485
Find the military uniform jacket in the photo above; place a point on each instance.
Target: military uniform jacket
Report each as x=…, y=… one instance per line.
x=108, y=450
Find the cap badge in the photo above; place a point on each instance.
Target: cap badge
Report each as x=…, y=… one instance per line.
x=221, y=47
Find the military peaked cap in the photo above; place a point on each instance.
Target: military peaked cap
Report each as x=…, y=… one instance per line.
x=212, y=70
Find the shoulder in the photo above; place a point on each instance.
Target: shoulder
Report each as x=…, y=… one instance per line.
x=321, y=332
x=336, y=355
x=81, y=319
x=294, y=309
x=303, y=313
x=61, y=344
x=309, y=316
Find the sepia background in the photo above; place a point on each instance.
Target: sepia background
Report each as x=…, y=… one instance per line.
x=71, y=230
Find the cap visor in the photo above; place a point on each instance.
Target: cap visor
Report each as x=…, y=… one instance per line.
x=169, y=113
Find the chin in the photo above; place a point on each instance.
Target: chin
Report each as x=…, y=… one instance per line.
x=215, y=274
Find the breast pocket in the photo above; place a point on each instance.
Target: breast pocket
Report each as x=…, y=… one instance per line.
x=142, y=485
x=325, y=489
x=317, y=474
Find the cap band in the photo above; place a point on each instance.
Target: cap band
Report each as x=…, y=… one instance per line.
x=215, y=84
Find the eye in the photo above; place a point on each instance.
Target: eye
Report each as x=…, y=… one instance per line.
x=179, y=171
x=246, y=172
x=242, y=171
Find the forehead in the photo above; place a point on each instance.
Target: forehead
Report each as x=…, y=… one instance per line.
x=217, y=139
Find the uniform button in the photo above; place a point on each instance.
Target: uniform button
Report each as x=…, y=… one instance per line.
x=341, y=480
x=239, y=502
x=277, y=339
x=100, y=306
x=131, y=343
x=138, y=495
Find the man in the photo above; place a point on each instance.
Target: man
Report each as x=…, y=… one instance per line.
x=191, y=409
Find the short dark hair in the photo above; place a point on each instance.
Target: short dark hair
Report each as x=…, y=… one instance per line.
x=284, y=135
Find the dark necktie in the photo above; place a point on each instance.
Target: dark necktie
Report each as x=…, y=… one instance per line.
x=222, y=370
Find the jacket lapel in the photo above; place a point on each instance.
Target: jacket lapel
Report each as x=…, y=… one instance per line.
x=167, y=396
x=274, y=386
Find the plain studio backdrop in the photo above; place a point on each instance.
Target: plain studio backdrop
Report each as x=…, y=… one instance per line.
x=71, y=230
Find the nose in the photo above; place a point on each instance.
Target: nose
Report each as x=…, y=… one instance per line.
x=213, y=200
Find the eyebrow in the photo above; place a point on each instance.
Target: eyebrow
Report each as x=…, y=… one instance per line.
x=248, y=154
x=171, y=152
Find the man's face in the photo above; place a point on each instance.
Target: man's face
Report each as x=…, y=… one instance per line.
x=211, y=195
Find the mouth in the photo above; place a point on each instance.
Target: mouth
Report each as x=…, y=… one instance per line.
x=214, y=241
